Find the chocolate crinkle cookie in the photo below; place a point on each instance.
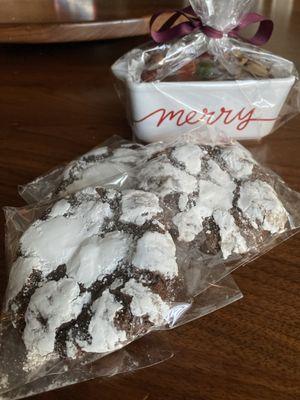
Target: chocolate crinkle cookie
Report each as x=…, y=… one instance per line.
x=220, y=201
x=108, y=165
x=94, y=272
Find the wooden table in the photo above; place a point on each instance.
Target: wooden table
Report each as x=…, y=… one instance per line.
x=56, y=102
x=54, y=21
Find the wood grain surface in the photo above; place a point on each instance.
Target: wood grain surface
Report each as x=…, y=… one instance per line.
x=56, y=102
x=54, y=21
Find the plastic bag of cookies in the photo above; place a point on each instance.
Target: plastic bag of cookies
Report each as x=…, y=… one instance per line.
x=88, y=275
x=222, y=208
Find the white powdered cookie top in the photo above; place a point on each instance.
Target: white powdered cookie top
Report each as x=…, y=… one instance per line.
x=20, y=271
x=190, y=156
x=139, y=207
x=239, y=161
x=231, y=239
x=52, y=305
x=156, y=252
x=260, y=204
x=104, y=333
x=215, y=196
x=97, y=257
x=63, y=233
x=212, y=197
x=60, y=208
x=162, y=178
x=183, y=201
x=189, y=223
x=219, y=176
x=146, y=303
x=93, y=212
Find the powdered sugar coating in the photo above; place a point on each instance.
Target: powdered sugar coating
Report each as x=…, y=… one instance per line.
x=202, y=184
x=156, y=252
x=238, y=161
x=52, y=305
x=105, y=336
x=59, y=208
x=231, y=239
x=183, y=201
x=70, y=231
x=190, y=156
x=99, y=256
x=215, y=196
x=211, y=197
x=190, y=223
x=161, y=177
x=139, y=207
x=220, y=177
x=260, y=204
x=145, y=303
x=19, y=276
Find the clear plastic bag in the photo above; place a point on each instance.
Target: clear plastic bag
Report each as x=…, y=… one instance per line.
x=200, y=203
x=203, y=177
x=148, y=351
x=72, y=305
x=194, y=80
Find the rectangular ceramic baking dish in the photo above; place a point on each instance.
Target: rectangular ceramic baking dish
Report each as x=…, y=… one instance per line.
x=245, y=109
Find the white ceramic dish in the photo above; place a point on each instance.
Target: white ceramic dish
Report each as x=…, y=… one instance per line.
x=245, y=109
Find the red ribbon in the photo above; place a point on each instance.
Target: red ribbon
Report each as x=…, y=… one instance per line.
x=168, y=31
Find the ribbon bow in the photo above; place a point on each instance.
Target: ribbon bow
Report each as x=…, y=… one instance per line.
x=169, y=31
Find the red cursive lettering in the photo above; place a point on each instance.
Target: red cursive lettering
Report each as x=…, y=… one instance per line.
x=182, y=117
x=190, y=116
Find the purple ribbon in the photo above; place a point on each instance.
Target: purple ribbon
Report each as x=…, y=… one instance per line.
x=169, y=31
